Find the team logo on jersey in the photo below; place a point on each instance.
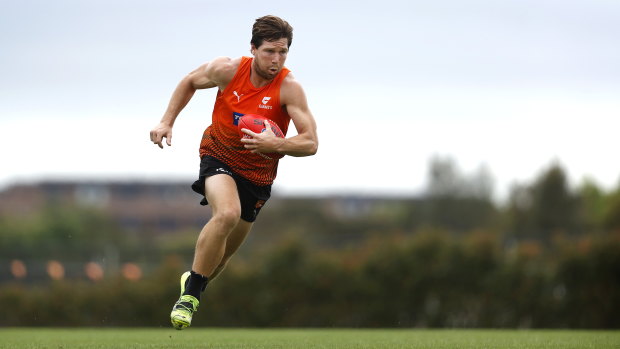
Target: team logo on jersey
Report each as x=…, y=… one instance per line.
x=264, y=102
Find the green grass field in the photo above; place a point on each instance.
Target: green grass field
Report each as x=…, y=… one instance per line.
x=67, y=338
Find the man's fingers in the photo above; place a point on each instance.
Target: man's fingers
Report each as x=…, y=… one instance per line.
x=267, y=127
x=249, y=143
x=153, y=135
x=158, y=138
x=248, y=132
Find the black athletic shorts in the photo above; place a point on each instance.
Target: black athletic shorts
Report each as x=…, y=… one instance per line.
x=251, y=196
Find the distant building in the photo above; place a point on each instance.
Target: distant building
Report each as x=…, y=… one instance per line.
x=165, y=207
x=136, y=206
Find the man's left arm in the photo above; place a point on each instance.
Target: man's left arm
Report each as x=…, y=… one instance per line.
x=306, y=142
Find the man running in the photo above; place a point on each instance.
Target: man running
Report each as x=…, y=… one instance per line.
x=235, y=178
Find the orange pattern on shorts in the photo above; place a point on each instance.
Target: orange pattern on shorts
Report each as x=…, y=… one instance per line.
x=222, y=140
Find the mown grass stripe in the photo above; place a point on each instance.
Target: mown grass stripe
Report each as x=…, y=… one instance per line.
x=65, y=338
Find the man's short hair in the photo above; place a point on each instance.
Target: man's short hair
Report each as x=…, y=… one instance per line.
x=271, y=28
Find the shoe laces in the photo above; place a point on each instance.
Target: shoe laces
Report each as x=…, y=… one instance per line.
x=187, y=302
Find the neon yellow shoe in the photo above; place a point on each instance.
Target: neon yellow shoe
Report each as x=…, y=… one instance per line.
x=184, y=308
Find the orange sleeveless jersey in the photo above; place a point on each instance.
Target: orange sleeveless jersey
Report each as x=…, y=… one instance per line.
x=222, y=140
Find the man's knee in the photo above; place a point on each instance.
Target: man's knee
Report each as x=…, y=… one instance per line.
x=228, y=216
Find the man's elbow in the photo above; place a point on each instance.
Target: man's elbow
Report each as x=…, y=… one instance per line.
x=308, y=149
x=314, y=147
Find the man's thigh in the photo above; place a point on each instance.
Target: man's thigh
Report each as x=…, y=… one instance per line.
x=221, y=192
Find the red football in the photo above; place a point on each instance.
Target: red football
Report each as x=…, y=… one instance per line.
x=256, y=124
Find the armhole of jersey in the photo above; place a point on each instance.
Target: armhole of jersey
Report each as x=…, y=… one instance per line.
x=241, y=64
x=282, y=105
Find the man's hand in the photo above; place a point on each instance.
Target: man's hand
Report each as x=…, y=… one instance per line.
x=161, y=131
x=264, y=142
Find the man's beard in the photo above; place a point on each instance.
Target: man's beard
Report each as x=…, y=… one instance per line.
x=264, y=74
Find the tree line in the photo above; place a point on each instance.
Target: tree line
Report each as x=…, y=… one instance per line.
x=547, y=257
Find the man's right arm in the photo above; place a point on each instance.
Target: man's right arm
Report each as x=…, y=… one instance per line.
x=209, y=75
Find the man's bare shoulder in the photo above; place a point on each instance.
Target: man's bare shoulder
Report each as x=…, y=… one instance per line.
x=291, y=89
x=222, y=69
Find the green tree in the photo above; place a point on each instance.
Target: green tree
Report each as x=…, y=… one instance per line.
x=611, y=217
x=456, y=201
x=545, y=207
x=59, y=232
x=554, y=207
x=593, y=203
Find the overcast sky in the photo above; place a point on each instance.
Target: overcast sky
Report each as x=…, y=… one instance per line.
x=511, y=85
